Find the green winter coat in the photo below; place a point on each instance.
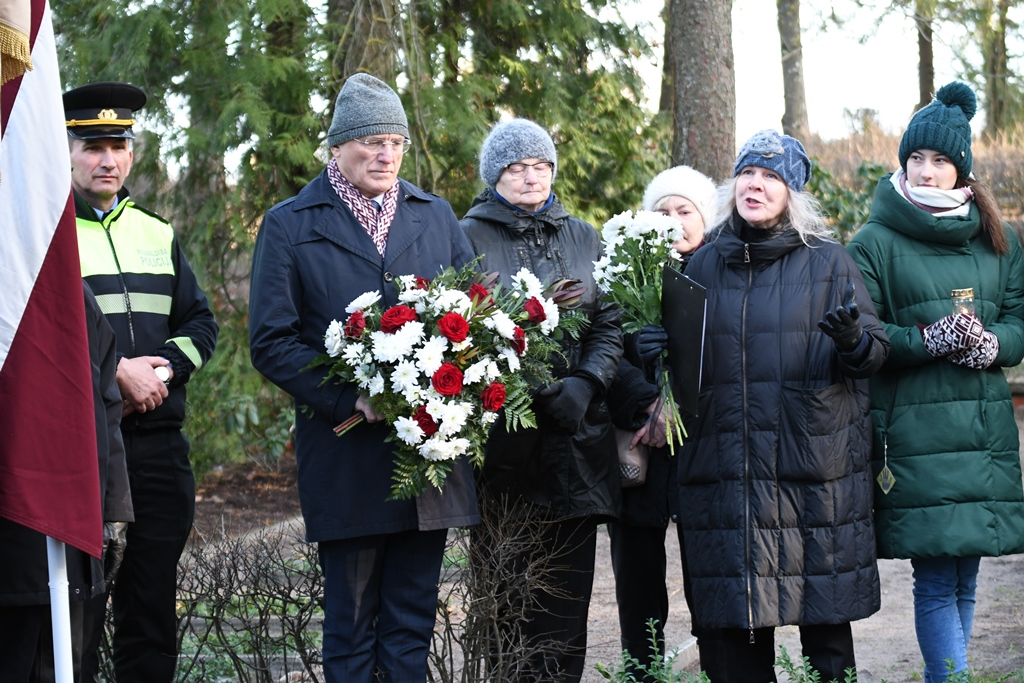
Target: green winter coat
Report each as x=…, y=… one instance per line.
x=947, y=432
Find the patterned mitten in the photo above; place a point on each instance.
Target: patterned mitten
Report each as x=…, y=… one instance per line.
x=981, y=356
x=952, y=333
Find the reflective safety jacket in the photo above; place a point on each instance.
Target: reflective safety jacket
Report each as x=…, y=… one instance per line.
x=150, y=296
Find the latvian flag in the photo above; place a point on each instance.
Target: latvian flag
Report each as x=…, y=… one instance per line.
x=49, y=477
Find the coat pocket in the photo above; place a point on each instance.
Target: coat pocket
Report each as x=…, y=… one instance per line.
x=818, y=428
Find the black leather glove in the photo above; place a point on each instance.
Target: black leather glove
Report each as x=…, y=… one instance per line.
x=843, y=324
x=114, y=542
x=646, y=346
x=567, y=401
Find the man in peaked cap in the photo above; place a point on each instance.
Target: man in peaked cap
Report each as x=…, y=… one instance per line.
x=165, y=333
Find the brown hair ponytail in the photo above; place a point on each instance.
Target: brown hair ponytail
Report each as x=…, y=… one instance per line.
x=991, y=218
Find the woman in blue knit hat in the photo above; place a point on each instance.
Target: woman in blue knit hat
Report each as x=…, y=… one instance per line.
x=775, y=477
x=947, y=278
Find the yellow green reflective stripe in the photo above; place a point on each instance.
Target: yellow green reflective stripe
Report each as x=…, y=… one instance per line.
x=140, y=302
x=187, y=347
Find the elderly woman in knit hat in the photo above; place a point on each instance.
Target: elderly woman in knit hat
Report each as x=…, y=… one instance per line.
x=775, y=477
x=355, y=228
x=946, y=458
x=564, y=474
x=638, y=539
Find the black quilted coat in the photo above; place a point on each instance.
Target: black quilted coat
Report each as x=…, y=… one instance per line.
x=775, y=480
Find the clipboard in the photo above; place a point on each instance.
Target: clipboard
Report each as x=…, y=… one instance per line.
x=684, y=316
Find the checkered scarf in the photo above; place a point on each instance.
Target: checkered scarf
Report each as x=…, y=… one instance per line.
x=375, y=223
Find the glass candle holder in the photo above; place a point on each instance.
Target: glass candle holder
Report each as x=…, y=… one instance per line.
x=963, y=301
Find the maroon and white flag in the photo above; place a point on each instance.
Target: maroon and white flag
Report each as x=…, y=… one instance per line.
x=49, y=477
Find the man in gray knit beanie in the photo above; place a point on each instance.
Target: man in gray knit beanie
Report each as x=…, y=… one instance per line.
x=353, y=229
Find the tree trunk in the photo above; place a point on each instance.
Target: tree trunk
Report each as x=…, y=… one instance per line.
x=704, y=86
x=794, y=120
x=994, y=51
x=665, y=105
x=365, y=36
x=924, y=13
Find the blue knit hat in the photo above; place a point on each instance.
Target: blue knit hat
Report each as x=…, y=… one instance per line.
x=513, y=141
x=779, y=153
x=944, y=126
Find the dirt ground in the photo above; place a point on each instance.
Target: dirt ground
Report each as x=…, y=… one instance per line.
x=241, y=498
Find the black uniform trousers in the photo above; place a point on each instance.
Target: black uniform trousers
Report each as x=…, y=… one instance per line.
x=145, y=589
x=26, y=643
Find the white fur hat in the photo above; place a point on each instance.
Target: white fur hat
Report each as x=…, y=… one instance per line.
x=683, y=181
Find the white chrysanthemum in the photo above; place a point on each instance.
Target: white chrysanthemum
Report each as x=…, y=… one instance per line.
x=493, y=371
x=452, y=417
x=501, y=323
x=408, y=431
x=430, y=356
x=405, y=376
x=488, y=418
x=436, y=448
x=451, y=300
x=354, y=354
x=390, y=348
x=550, y=322
x=675, y=255
x=413, y=395
x=334, y=340
x=410, y=293
x=462, y=345
x=362, y=302
x=476, y=372
x=618, y=221
x=526, y=281
x=363, y=375
x=376, y=385
x=511, y=359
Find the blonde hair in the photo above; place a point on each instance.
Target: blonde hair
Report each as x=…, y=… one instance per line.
x=803, y=214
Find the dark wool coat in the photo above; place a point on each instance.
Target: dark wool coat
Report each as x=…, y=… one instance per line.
x=312, y=259
x=775, y=480
x=566, y=475
x=24, y=573
x=952, y=438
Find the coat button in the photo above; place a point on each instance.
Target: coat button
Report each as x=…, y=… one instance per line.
x=388, y=277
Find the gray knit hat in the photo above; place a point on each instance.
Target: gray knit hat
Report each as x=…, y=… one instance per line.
x=683, y=181
x=780, y=153
x=514, y=141
x=366, y=106
x=944, y=126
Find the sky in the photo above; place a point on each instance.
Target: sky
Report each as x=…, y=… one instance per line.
x=839, y=73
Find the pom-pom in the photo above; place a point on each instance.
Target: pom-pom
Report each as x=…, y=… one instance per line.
x=960, y=95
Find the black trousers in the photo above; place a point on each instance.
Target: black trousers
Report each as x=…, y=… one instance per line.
x=639, y=564
x=728, y=656
x=26, y=643
x=145, y=589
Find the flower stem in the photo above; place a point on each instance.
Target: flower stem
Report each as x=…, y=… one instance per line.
x=348, y=424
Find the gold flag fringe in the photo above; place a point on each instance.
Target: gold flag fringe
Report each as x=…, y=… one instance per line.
x=15, y=53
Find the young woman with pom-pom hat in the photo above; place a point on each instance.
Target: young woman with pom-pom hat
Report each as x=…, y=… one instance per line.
x=946, y=459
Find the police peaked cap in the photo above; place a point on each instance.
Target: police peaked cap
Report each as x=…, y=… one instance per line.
x=102, y=110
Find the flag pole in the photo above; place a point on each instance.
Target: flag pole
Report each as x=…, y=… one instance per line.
x=60, y=611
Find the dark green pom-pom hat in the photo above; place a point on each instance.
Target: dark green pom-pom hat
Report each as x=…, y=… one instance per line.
x=944, y=126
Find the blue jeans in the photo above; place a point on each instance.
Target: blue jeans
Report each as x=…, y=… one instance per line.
x=944, y=612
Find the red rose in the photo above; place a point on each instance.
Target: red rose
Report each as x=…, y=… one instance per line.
x=519, y=340
x=425, y=420
x=478, y=294
x=355, y=325
x=535, y=309
x=447, y=380
x=454, y=327
x=493, y=397
x=395, y=317
x=422, y=283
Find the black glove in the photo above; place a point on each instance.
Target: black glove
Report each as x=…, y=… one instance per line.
x=843, y=324
x=567, y=401
x=114, y=542
x=647, y=345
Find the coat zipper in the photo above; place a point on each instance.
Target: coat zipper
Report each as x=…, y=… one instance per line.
x=746, y=443
x=124, y=289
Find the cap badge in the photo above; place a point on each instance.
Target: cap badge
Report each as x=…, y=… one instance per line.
x=107, y=114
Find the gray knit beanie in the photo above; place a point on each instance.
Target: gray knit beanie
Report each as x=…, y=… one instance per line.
x=944, y=126
x=366, y=106
x=683, y=181
x=780, y=153
x=514, y=141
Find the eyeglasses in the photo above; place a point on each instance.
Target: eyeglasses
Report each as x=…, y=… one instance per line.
x=378, y=144
x=543, y=169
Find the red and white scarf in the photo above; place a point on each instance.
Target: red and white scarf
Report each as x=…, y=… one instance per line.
x=375, y=223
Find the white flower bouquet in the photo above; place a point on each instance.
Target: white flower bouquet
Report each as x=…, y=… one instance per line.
x=636, y=249
x=446, y=359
